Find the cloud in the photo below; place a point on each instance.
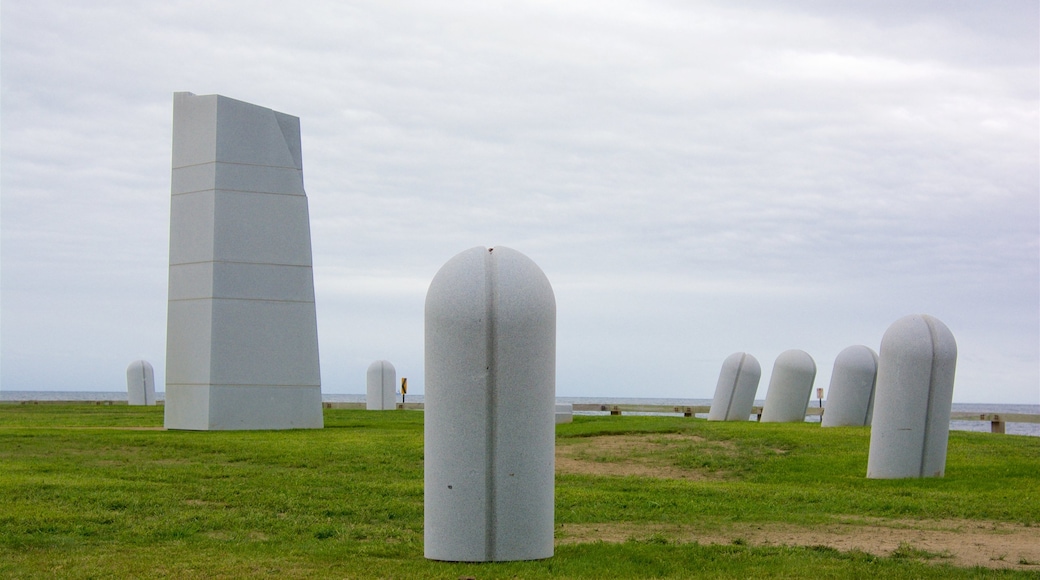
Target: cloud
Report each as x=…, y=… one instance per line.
x=694, y=179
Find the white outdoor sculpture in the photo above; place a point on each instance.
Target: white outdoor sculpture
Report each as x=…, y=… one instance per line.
x=490, y=406
x=735, y=391
x=850, y=397
x=564, y=413
x=911, y=424
x=242, y=342
x=381, y=382
x=140, y=383
x=790, y=387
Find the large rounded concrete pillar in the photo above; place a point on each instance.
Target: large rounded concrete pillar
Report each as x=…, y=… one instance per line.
x=735, y=391
x=911, y=423
x=490, y=409
x=850, y=397
x=790, y=387
x=140, y=383
x=381, y=382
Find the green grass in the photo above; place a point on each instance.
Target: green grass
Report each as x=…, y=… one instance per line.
x=84, y=493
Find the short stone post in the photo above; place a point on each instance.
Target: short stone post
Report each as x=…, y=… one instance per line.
x=735, y=391
x=911, y=424
x=381, y=382
x=790, y=387
x=490, y=404
x=140, y=383
x=564, y=413
x=850, y=399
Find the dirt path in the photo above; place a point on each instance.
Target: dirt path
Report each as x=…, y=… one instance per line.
x=957, y=542
x=960, y=543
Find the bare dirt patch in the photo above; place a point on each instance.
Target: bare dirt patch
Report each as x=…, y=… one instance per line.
x=957, y=542
x=631, y=455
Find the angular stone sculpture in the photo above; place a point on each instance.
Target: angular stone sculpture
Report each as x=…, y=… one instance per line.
x=911, y=424
x=381, y=382
x=735, y=391
x=140, y=383
x=850, y=398
x=490, y=406
x=790, y=387
x=242, y=342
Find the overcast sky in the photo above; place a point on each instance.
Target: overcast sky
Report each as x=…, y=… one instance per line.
x=695, y=178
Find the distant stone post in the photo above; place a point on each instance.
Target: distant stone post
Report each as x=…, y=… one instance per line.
x=564, y=413
x=735, y=391
x=490, y=409
x=381, y=383
x=911, y=424
x=140, y=383
x=241, y=338
x=790, y=388
x=850, y=398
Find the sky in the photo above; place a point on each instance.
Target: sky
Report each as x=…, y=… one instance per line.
x=694, y=178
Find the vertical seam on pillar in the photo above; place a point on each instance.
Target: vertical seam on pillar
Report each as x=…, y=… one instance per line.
x=489, y=481
x=928, y=401
x=870, y=400
x=144, y=383
x=733, y=387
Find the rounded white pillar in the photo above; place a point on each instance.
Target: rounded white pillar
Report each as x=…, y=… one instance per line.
x=490, y=409
x=850, y=397
x=790, y=387
x=735, y=391
x=140, y=383
x=911, y=423
x=381, y=384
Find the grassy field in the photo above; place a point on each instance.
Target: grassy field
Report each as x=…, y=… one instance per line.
x=103, y=492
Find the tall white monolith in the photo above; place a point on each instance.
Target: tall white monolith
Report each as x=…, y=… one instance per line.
x=850, y=397
x=140, y=383
x=381, y=382
x=490, y=409
x=911, y=424
x=790, y=387
x=735, y=391
x=241, y=340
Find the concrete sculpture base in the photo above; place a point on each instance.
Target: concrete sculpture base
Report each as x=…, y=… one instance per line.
x=381, y=382
x=490, y=406
x=911, y=424
x=735, y=391
x=790, y=387
x=140, y=383
x=241, y=341
x=850, y=397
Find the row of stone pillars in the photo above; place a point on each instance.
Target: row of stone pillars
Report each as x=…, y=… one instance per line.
x=905, y=395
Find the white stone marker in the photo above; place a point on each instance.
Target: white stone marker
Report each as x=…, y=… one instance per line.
x=140, y=383
x=790, y=387
x=911, y=424
x=382, y=380
x=242, y=341
x=850, y=397
x=564, y=413
x=735, y=391
x=490, y=407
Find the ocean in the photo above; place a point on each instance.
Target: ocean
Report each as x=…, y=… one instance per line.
x=1032, y=429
